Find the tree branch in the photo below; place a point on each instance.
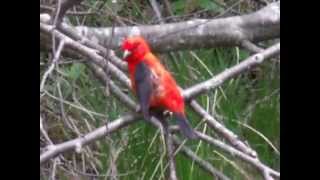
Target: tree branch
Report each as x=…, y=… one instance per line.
x=62, y=7
x=51, y=67
x=170, y=151
x=225, y=132
x=78, y=143
x=230, y=150
x=198, y=33
x=232, y=72
x=202, y=163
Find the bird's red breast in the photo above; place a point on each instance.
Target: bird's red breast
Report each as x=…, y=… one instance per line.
x=165, y=90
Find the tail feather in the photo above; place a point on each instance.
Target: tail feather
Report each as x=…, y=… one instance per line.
x=184, y=125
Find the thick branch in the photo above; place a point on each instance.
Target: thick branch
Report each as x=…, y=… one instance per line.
x=199, y=33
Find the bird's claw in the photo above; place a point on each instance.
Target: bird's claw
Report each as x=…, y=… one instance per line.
x=167, y=113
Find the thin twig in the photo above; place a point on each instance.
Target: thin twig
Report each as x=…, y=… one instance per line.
x=253, y=161
x=232, y=72
x=62, y=7
x=44, y=133
x=170, y=151
x=50, y=69
x=54, y=168
x=226, y=133
x=72, y=13
x=155, y=7
x=55, y=150
x=251, y=47
x=203, y=164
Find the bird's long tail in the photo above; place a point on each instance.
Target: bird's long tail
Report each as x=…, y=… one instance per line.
x=184, y=125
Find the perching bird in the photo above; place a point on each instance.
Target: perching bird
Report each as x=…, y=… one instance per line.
x=153, y=84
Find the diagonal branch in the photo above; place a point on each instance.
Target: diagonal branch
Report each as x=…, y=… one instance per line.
x=225, y=132
x=253, y=161
x=78, y=143
x=202, y=163
x=53, y=63
x=219, y=79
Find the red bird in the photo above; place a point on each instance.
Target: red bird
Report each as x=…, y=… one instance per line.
x=153, y=84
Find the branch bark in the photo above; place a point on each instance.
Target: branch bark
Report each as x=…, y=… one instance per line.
x=198, y=33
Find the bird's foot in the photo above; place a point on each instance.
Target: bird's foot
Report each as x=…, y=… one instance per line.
x=167, y=113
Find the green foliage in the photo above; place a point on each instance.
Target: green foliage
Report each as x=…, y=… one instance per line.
x=180, y=6
x=210, y=5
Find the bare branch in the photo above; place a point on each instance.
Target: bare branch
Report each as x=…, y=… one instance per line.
x=203, y=164
x=198, y=33
x=226, y=133
x=43, y=132
x=78, y=143
x=62, y=7
x=155, y=7
x=48, y=9
x=93, y=54
x=70, y=32
x=170, y=151
x=253, y=161
x=50, y=69
x=167, y=7
x=232, y=72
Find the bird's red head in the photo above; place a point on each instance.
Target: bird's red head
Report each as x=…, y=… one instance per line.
x=134, y=48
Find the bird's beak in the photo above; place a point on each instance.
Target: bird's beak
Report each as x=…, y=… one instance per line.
x=126, y=53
